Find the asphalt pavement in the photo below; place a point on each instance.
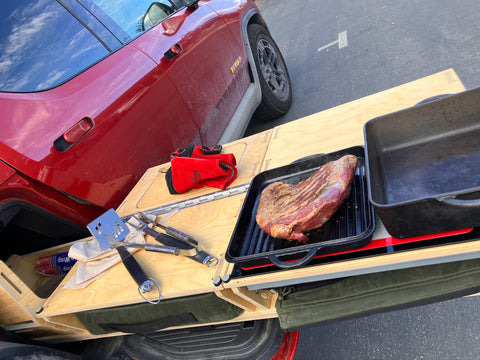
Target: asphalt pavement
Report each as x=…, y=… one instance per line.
x=341, y=50
x=441, y=331
x=386, y=43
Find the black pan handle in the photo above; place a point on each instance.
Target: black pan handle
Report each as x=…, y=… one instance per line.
x=433, y=98
x=292, y=264
x=451, y=200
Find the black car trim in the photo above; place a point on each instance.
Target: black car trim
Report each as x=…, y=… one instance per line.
x=92, y=24
x=105, y=20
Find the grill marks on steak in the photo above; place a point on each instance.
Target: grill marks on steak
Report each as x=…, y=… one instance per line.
x=287, y=211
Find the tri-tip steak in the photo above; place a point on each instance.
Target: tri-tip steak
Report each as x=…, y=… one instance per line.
x=288, y=211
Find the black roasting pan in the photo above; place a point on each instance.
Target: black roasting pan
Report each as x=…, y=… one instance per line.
x=350, y=228
x=423, y=166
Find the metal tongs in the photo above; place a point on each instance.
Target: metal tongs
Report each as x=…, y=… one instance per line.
x=183, y=243
x=148, y=247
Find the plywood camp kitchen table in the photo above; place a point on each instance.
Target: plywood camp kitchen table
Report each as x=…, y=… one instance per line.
x=210, y=216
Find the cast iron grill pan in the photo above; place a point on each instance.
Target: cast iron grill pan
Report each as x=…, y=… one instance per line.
x=350, y=227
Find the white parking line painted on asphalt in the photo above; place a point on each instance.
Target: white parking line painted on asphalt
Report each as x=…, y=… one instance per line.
x=342, y=41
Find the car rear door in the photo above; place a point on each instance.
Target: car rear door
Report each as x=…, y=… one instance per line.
x=198, y=51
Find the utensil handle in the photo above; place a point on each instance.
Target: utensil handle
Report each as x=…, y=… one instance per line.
x=181, y=236
x=135, y=270
x=205, y=258
x=168, y=240
x=292, y=264
x=187, y=250
x=161, y=248
x=460, y=202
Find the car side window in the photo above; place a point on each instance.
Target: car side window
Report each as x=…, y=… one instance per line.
x=34, y=54
x=136, y=16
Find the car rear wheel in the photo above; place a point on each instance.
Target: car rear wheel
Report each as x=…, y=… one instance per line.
x=273, y=74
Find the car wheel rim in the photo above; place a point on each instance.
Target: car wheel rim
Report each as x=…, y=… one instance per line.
x=272, y=69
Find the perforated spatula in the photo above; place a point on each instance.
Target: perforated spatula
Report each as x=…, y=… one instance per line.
x=108, y=225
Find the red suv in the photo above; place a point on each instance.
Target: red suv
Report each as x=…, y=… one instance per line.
x=94, y=92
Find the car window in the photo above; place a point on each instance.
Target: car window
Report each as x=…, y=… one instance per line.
x=136, y=16
x=42, y=45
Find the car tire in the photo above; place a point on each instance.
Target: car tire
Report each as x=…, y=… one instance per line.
x=273, y=74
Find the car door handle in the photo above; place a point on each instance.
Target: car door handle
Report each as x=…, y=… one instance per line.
x=72, y=135
x=173, y=52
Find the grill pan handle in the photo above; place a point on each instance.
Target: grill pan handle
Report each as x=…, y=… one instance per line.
x=449, y=200
x=293, y=264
